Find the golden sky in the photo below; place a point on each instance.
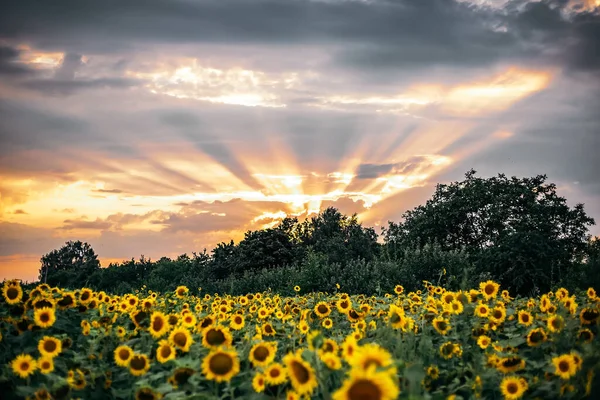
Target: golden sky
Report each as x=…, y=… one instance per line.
x=161, y=143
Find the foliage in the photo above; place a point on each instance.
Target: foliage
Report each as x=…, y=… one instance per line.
x=69, y=265
x=516, y=229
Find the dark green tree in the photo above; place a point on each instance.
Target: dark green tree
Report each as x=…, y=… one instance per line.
x=516, y=229
x=69, y=266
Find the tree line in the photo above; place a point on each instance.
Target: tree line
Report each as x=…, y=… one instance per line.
x=516, y=231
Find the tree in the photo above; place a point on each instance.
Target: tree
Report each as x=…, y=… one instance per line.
x=70, y=265
x=517, y=229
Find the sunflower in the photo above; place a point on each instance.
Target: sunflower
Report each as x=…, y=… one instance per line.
x=275, y=374
x=441, y=325
x=349, y=347
x=139, y=364
x=535, y=337
x=237, y=322
x=484, y=341
x=482, y=310
x=263, y=353
x=44, y=317
x=564, y=366
x=433, y=372
x=181, y=338
x=165, y=352
x=489, y=289
x=24, y=365
x=221, y=365
x=525, y=318
x=449, y=349
x=45, y=364
x=147, y=394
x=343, y=306
x=76, y=379
x=296, y=288
x=42, y=394
x=588, y=316
x=188, y=320
x=373, y=354
x=561, y=293
x=181, y=291
x=216, y=336
x=181, y=376
x=586, y=335
x=367, y=384
x=555, y=323
x=85, y=296
x=396, y=317
x=268, y=330
x=513, y=387
x=159, y=324
x=302, y=376
x=12, y=292
x=322, y=309
x=331, y=360
x=258, y=383
x=498, y=315
x=398, y=289
x=455, y=307
x=510, y=364
x=50, y=346
x=591, y=293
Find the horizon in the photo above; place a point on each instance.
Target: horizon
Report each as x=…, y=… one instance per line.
x=184, y=126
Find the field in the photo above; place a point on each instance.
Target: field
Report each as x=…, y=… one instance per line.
x=437, y=344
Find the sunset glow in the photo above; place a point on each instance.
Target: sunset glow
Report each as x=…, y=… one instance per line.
x=175, y=130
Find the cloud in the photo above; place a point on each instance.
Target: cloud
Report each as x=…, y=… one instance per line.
x=112, y=191
x=20, y=212
x=82, y=224
x=10, y=65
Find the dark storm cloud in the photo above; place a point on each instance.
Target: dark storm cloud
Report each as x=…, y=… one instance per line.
x=367, y=35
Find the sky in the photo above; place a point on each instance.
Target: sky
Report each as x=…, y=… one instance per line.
x=159, y=128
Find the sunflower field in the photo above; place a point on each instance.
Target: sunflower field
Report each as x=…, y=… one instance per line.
x=428, y=344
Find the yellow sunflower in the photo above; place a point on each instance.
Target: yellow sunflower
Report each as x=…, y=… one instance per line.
x=535, y=337
x=76, y=379
x=159, y=324
x=513, y=387
x=181, y=291
x=275, y=374
x=165, y=352
x=510, y=364
x=302, y=376
x=12, y=292
x=322, y=309
x=216, y=336
x=482, y=310
x=237, y=322
x=555, y=323
x=24, y=365
x=525, y=318
x=263, y=353
x=181, y=338
x=489, y=289
x=147, y=394
x=564, y=366
x=367, y=384
x=441, y=325
x=484, y=341
x=588, y=316
x=123, y=355
x=45, y=365
x=586, y=335
x=258, y=383
x=331, y=360
x=139, y=364
x=49, y=346
x=268, y=330
x=44, y=317
x=221, y=365
x=373, y=354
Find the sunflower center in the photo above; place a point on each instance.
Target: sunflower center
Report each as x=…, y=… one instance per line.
x=138, y=363
x=124, y=354
x=483, y=310
x=322, y=308
x=182, y=375
x=24, y=366
x=525, y=318
x=145, y=394
x=237, y=320
x=497, y=314
x=489, y=289
x=158, y=324
x=85, y=296
x=328, y=347
x=300, y=372
x=215, y=337
x=268, y=329
x=45, y=364
x=180, y=339
x=50, y=346
x=274, y=373
x=442, y=325
x=395, y=318
x=364, y=389
x=44, y=317
x=221, y=364
x=512, y=388
x=165, y=351
x=563, y=366
x=261, y=353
